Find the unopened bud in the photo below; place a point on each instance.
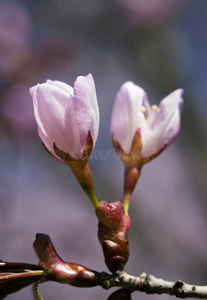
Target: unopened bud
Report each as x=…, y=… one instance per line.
x=112, y=233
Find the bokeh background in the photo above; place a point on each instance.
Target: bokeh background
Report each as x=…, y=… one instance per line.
x=161, y=45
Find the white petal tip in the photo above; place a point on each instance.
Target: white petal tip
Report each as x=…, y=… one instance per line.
x=180, y=92
x=33, y=90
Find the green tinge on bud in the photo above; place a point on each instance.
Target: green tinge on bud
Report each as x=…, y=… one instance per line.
x=112, y=233
x=80, y=169
x=58, y=270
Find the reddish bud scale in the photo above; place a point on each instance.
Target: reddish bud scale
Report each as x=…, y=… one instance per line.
x=73, y=274
x=58, y=270
x=112, y=233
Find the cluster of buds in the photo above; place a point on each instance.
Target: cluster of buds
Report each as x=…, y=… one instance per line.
x=68, y=125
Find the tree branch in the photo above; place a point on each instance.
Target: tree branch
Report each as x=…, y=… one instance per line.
x=151, y=285
x=15, y=276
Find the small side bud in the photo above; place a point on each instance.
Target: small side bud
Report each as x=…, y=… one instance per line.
x=58, y=270
x=121, y=294
x=112, y=233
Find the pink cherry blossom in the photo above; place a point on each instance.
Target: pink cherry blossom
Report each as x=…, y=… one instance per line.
x=157, y=127
x=66, y=115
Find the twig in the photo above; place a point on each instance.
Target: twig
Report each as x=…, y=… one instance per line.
x=151, y=285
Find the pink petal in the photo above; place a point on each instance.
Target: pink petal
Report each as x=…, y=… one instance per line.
x=62, y=86
x=86, y=108
x=163, y=125
x=147, y=105
x=55, y=117
x=127, y=116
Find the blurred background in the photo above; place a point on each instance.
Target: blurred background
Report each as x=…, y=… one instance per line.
x=160, y=45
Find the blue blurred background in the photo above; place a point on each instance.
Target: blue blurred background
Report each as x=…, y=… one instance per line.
x=160, y=45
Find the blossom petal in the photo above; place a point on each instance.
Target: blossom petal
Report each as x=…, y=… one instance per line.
x=55, y=117
x=127, y=116
x=61, y=85
x=163, y=125
x=86, y=107
x=147, y=106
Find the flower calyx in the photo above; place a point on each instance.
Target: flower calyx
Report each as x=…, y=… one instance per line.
x=80, y=168
x=68, y=158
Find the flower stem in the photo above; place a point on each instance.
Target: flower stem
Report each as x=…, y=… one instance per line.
x=131, y=176
x=82, y=172
x=126, y=200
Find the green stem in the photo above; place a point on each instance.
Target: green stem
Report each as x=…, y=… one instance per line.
x=82, y=172
x=126, y=200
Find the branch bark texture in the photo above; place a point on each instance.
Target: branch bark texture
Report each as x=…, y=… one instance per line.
x=151, y=285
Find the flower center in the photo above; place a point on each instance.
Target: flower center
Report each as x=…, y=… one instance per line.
x=144, y=110
x=154, y=107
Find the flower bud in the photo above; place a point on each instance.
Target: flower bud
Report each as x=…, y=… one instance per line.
x=157, y=127
x=66, y=115
x=112, y=233
x=140, y=132
x=58, y=270
x=68, y=124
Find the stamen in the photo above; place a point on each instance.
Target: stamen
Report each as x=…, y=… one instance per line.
x=143, y=109
x=154, y=107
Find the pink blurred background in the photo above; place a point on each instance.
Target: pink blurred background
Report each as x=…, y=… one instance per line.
x=160, y=45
